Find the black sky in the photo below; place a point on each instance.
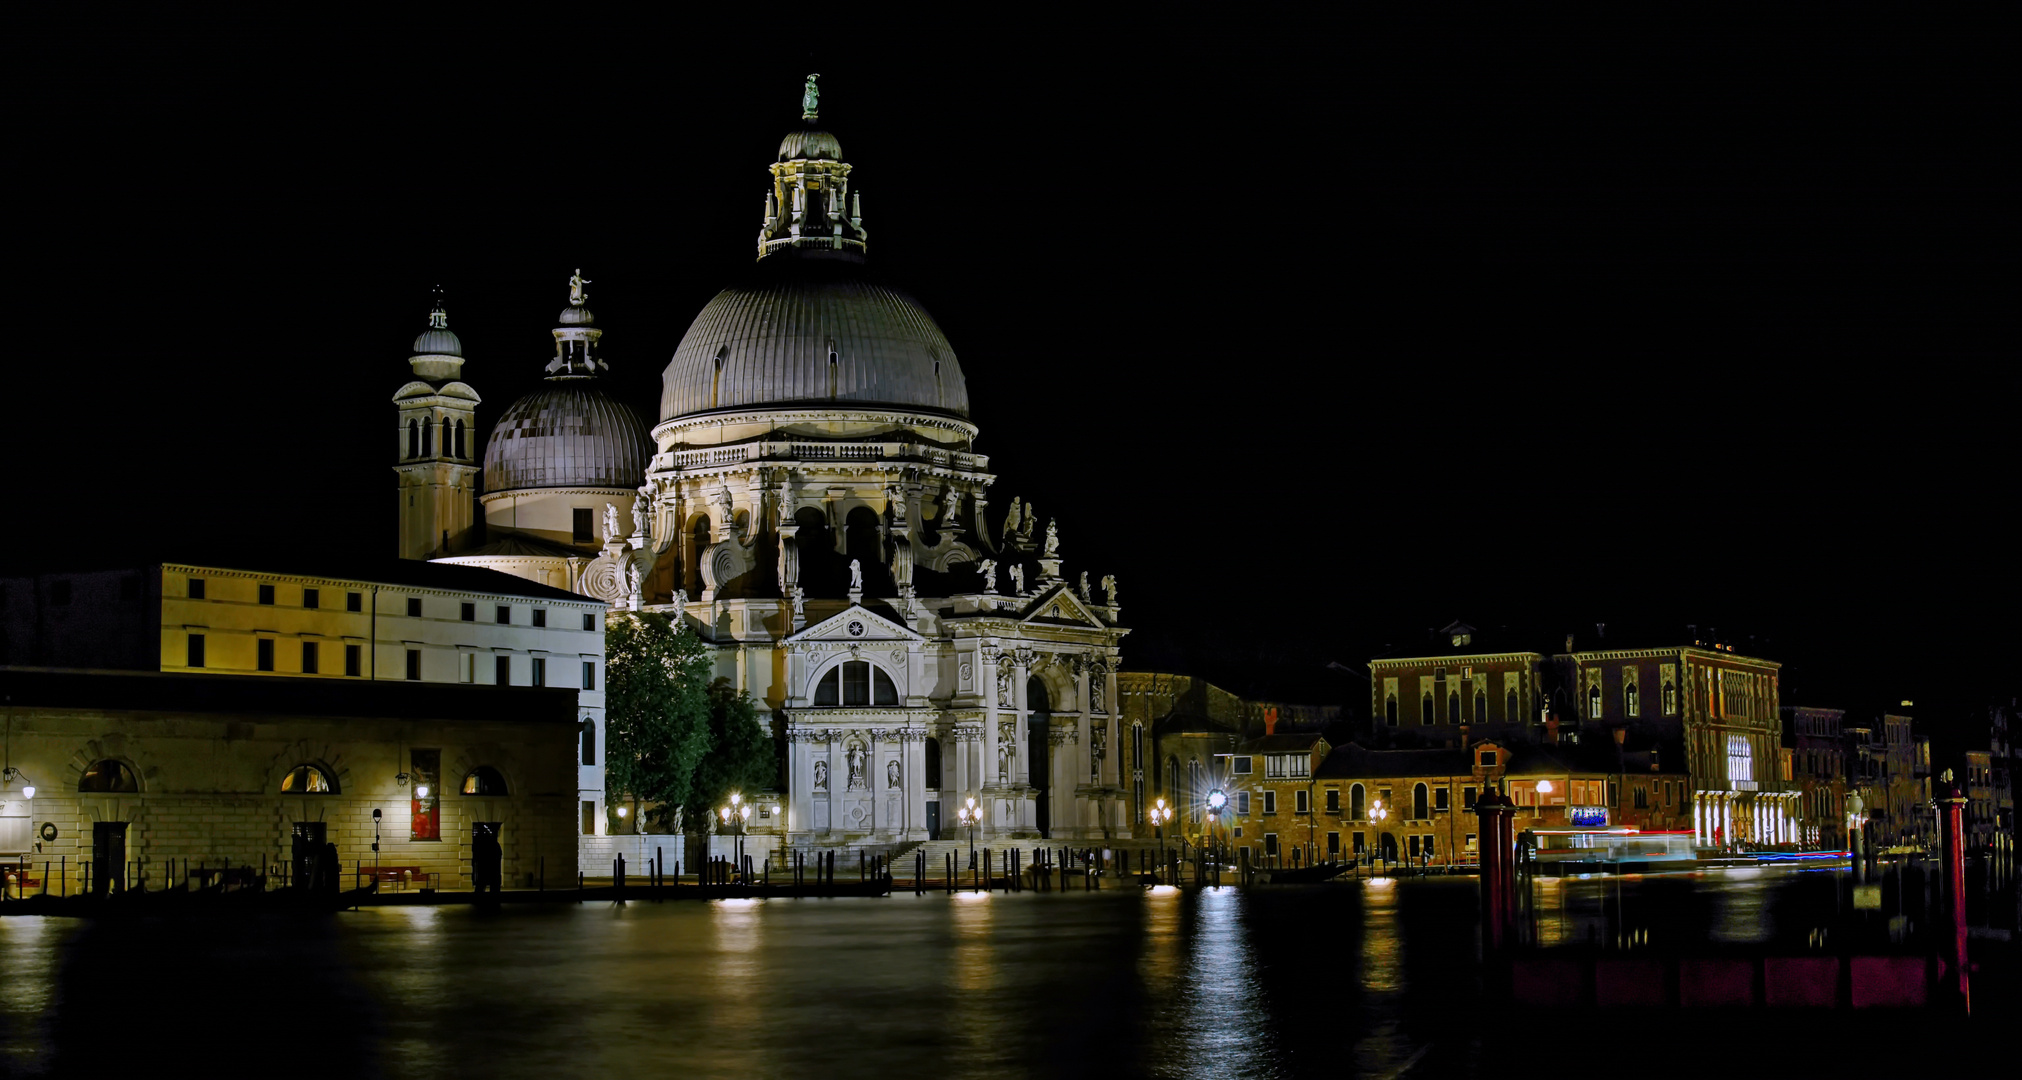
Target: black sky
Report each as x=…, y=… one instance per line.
x=1315, y=335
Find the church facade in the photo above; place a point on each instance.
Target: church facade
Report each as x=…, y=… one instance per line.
x=811, y=503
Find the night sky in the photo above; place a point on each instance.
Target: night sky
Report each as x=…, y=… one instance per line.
x=1314, y=335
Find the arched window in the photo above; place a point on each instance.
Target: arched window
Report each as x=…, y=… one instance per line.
x=446, y=444
x=1425, y=709
x=1358, y=807
x=933, y=762
x=1418, y=811
x=1480, y=706
x=1195, y=789
x=1594, y=701
x=1630, y=699
x=484, y=780
x=1509, y=707
x=856, y=683
x=1390, y=710
x=106, y=776
x=589, y=741
x=1670, y=699
x=427, y=440
x=1137, y=771
x=1453, y=707
x=459, y=440
x=308, y=780
x=1172, y=785
x=413, y=439
x=699, y=543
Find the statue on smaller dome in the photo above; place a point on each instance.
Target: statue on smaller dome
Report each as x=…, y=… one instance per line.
x=577, y=297
x=810, y=100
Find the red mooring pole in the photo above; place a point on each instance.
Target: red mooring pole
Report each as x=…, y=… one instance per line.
x=1498, y=843
x=1954, y=803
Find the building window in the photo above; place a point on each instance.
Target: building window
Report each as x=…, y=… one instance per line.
x=1487, y=759
x=588, y=734
x=414, y=665
x=502, y=670
x=469, y=612
x=1467, y=799
x=505, y=615
x=1480, y=707
x=1243, y=803
x=1333, y=800
x=1271, y=843
x=1472, y=846
x=589, y=818
x=1632, y=700
x=266, y=594
x=196, y=588
x=1642, y=795
x=1511, y=712
x=1425, y=709
x=308, y=780
x=540, y=672
x=1740, y=763
x=354, y=601
x=1270, y=802
x=585, y=525
x=1670, y=700
x=1453, y=707
x=1357, y=802
x=354, y=660
x=196, y=651
x=590, y=622
x=309, y=658
x=414, y=607
x=1360, y=842
x=1429, y=853
x=1299, y=803
x=1442, y=799
x=1418, y=811
x=459, y=440
x=1411, y=846
x=1333, y=847
x=107, y=776
x=589, y=675
x=540, y=616
x=484, y=780
x=312, y=598
x=1241, y=765
x=265, y=660
x=1594, y=701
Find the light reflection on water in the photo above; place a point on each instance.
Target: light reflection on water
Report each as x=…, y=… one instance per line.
x=1273, y=982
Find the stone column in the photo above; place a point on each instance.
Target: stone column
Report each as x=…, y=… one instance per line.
x=913, y=760
x=991, y=659
x=1021, y=768
x=963, y=782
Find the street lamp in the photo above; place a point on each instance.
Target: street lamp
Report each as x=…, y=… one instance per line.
x=968, y=816
x=1217, y=799
x=1160, y=814
x=738, y=812
x=1378, y=813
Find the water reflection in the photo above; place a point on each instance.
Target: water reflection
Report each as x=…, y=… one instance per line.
x=1382, y=1044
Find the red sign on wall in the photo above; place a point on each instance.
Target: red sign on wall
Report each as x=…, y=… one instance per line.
x=426, y=795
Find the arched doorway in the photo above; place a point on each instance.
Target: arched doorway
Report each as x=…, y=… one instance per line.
x=1039, y=717
x=1389, y=854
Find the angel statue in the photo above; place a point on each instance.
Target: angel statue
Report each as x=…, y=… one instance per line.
x=1018, y=579
x=989, y=570
x=610, y=522
x=1109, y=589
x=1052, y=539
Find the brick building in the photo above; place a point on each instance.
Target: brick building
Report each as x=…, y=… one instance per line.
x=1460, y=675
x=1817, y=746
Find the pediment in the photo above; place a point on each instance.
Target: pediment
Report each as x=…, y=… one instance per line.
x=1060, y=607
x=854, y=624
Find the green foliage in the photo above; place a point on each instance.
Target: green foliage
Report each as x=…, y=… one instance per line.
x=741, y=757
x=656, y=709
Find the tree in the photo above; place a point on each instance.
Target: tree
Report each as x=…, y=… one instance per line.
x=740, y=757
x=656, y=710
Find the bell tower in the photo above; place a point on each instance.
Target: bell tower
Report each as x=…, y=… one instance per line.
x=437, y=445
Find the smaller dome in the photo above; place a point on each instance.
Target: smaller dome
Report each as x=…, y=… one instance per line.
x=577, y=315
x=811, y=143
x=437, y=342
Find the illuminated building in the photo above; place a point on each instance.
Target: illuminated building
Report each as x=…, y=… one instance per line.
x=1819, y=771
x=1461, y=676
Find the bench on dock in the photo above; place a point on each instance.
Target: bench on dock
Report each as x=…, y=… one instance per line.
x=398, y=875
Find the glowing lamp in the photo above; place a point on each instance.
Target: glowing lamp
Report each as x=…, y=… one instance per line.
x=1217, y=800
x=735, y=798
x=28, y=792
x=1544, y=787
x=421, y=791
x=621, y=811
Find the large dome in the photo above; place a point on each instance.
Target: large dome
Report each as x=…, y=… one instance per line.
x=805, y=331
x=566, y=434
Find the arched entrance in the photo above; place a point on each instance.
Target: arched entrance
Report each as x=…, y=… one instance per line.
x=1038, y=719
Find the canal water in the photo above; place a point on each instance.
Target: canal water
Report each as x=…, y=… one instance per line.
x=1370, y=979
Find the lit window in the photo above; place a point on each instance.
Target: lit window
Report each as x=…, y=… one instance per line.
x=107, y=776
x=484, y=780
x=307, y=780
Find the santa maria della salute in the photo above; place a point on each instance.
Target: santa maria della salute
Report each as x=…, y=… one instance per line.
x=810, y=503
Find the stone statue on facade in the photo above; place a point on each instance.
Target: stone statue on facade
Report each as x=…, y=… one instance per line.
x=891, y=774
x=610, y=522
x=856, y=759
x=1086, y=598
x=680, y=606
x=641, y=506
x=988, y=567
x=821, y=776
x=1013, y=518
x=810, y=99
x=1017, y=579
x=638, y=581
x=577, y=297
x=856, y=575
x=1052, y=539
x=1109, y=589
x=799, y=598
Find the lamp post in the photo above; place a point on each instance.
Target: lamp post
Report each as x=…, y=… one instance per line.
x=1217, y=799
x=1160, y=814
x=1378, y=813
x=737, y=813
x=967, y=816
